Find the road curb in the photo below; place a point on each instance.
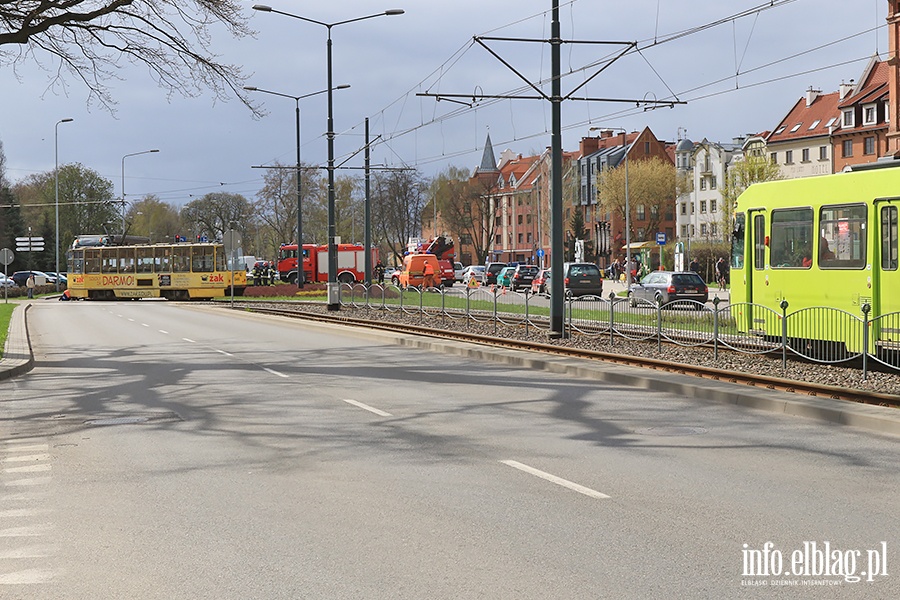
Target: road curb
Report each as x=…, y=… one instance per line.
x=17, y=355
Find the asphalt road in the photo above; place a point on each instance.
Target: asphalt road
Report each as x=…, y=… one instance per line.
x=164, y=451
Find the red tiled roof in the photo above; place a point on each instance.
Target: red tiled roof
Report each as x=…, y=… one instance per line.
x=874, y=88
x=808, y=121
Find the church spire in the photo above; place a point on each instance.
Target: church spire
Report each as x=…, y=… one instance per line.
x=488, y=162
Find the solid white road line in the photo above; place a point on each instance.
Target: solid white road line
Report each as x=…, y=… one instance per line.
x=378, y=412
x=223, y=352
x=554, y=479
x=189, y=340
x=163, y=331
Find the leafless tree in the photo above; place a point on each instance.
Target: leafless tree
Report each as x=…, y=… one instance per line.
x=91, y=40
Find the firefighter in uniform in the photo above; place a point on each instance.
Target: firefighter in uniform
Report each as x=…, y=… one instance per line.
x=257, y=275
x=271, y=273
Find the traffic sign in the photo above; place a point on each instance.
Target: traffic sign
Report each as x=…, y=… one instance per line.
x=29, y=244
x=661, y=238
x=6, y=257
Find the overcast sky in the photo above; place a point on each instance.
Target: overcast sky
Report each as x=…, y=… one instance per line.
x=739, y=77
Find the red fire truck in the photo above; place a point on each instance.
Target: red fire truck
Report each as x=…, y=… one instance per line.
x=351, y=264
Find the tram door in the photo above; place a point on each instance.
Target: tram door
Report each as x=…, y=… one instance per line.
x=885, y=269
x=756, y=270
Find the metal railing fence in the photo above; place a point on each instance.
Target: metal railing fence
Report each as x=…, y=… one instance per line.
x=818, y=334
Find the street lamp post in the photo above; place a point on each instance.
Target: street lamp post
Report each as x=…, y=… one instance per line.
x=333, y=289
x=300, y=273
x=123, y=185
x=56, y=177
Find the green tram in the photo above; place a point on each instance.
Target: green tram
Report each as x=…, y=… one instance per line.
x=828, y=241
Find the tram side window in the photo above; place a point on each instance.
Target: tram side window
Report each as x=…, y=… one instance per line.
x=145, y=260
x=790, y=244
x=737, y=242
x=109, y=262
x=889, y=238
x=842, y=237
x=92, y=260
x=126, y=260
x=162, y=259
x=220, y=259
x=202, y=259
x=76, y=261
x=181, y=259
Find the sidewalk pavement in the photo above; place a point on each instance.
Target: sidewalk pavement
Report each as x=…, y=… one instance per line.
x=18, y=359
x=17, y=356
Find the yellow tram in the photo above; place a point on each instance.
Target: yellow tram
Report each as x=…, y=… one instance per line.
x=183, y=271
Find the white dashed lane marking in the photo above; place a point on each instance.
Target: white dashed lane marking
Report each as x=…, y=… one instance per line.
x=554, y=479
x=371, y=409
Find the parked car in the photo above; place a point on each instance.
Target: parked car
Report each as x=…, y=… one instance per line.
x=389, y=273
x=541, y=282
x=664, y=287
x=523, y=276
x=6, y=281
x=458, y=271
x=475, y=272
x=40, y=278
x=60, y=276
x=582, y=279
x=491, y=270
x=504, y=277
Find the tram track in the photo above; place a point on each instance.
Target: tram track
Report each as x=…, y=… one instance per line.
x=754, y=380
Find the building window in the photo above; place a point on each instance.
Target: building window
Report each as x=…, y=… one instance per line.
x=498, y=239
x=806, y=155
x=703, y=206
x=869, y=145
x=646, y=147
x=703, y=183
x=528, y=218
x=870, y=115
x=521, y=237
x=497, y=222
x=684, y=208
x=641, y=212
x=521, y=218
x=847, y=119
x=823, y=152
x=712, y=182
x=712, y=206
x=847, y=148
x=713, y=229
x=774, y=158
x=703, y=230
x=684, y=231
x=529, y=238
x=789, y=157
x=654, y=210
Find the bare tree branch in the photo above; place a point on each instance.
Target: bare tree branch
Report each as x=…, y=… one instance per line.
x=91, y=40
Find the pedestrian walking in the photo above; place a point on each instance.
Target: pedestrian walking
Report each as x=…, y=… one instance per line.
x=695, y=266
x=29, y=285
x=721, y=273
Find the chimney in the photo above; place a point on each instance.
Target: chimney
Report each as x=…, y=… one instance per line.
x=846, y=89
x=811, y=96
